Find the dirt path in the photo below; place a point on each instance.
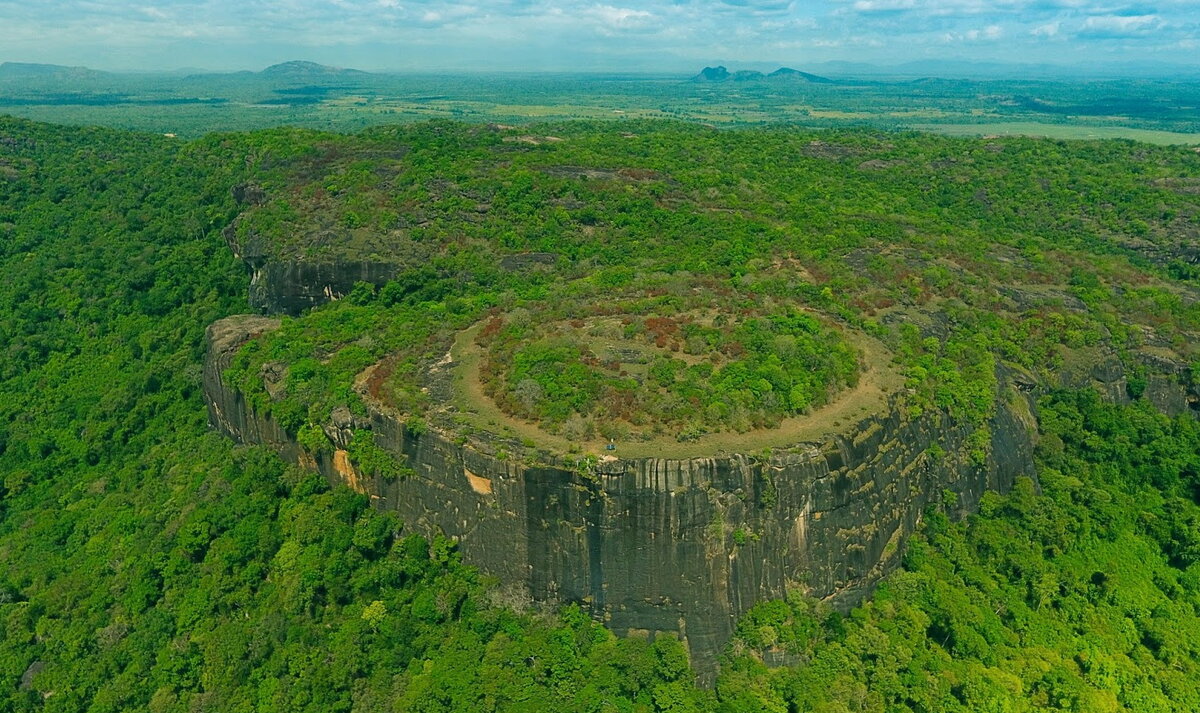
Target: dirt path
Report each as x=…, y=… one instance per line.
x=879, y=379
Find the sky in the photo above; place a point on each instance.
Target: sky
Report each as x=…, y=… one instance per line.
x=574, y=35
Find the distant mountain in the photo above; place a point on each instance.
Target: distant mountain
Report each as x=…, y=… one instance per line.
x=712, y=74
x=300, y=68
x=797, y=75
x=286, y=73
x=721, y=74
x=26, y=70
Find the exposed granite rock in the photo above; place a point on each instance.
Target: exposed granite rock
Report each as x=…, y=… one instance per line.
x=290, y=287
x=30, y=673
x=1109, y=371
x=1170, y=385
x=249, y=194
x=227, y=335
x=523, y=261
x=660, y=545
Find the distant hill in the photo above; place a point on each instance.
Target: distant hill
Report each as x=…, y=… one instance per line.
x=797, y=75
x=27, y=70
x=721, y=74
x=290, y=72
x=300, y=68
x=712, y=74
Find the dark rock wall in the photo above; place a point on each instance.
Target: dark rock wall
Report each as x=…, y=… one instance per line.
x=659, y=545
x=289, y=287
x=1167, y=383
x=283, y=286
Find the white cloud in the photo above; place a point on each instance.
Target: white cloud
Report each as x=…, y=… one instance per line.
x=883, y=5
x=1050, y=29
x=991, y=32
x=558, y=31
x=1121, y=25
x=617, y=17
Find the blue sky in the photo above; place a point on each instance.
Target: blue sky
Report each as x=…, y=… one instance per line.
x=668, y=35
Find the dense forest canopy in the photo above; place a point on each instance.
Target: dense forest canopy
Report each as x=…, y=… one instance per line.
x=148, y=565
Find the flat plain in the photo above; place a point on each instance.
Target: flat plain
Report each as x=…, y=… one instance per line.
x=297, y=94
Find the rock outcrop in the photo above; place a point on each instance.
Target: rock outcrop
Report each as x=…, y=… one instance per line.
x=290, y=287
x=712, y=74
x=680, y=546
x=658, y=545
x=687, y=545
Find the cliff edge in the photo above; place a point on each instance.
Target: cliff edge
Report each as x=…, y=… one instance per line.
x=649, y=545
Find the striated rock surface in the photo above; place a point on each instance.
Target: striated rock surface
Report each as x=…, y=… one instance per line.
x=658, y=545
x=290, y=287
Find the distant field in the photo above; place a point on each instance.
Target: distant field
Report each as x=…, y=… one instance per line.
x=1060, y=131
x=1153, y=111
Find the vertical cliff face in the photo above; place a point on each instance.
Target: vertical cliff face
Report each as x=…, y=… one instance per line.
x=290, y=287
x=659, y=545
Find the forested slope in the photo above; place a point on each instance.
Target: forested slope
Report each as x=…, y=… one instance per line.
x=147, y=564
x=1084, y=596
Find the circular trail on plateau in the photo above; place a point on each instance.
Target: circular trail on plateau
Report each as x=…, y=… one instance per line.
x=877, y=378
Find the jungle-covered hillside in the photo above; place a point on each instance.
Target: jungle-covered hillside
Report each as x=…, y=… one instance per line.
x=147, y=564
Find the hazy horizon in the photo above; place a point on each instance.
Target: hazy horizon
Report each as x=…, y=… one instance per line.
x=662, y=36
x=947, y=67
